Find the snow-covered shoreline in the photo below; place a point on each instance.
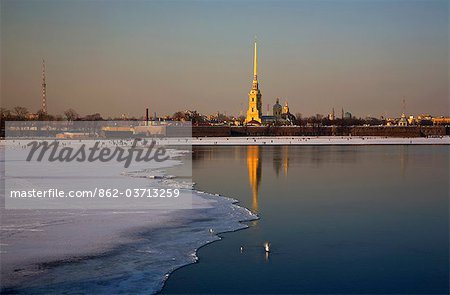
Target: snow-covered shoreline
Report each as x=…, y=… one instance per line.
x=308, y=140
x=141, y=259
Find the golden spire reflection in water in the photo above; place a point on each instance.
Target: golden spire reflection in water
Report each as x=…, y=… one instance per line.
x=254, y=172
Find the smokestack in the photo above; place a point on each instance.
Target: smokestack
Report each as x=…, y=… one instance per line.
x=146, y=117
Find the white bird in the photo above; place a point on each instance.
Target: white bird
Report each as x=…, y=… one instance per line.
x=211, y=230
x=267, y=247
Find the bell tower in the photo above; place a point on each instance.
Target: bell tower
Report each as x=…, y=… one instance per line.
x=254, y=111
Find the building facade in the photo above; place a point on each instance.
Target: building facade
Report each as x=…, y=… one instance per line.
x=277, y=109
x=403, y=121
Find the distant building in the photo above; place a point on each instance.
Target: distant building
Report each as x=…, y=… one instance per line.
x=277, y=109
x=347, y=115
x=285, y=108
x=281, y=115
x=411, y=120
x=441, y=121
x=31, y=116
x=426, y=117
x=286, y=115
x=331, y=116
x=72, y=135
x=403, y=121
x=268, y=119
x=390, y=122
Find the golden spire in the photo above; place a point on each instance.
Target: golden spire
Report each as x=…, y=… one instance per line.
x=255, y=63
x=254, y=104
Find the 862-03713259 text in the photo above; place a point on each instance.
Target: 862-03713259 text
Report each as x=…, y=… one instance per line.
x=98, y=193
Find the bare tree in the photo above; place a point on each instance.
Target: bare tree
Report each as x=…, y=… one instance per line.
x=5, y=114
x=93, y=117
x=21, y=112
x=178, y=116
x=71, y=115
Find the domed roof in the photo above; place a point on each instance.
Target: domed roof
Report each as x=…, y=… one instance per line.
x=277, y=103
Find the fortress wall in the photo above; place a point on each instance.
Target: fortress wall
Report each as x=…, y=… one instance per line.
x=281, y=131
x=396, y=131
x=387, y=131
x=211, y=131
x=227, y=131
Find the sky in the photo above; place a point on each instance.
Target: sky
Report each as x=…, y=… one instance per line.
x=120, y=57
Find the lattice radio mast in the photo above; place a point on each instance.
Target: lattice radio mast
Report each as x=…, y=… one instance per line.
x=44, y=89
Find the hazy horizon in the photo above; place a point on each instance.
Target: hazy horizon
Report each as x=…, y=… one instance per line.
x=116, y=57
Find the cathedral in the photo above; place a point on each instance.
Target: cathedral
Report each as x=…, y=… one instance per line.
x=254, y=116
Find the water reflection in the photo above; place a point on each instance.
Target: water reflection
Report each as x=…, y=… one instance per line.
x=281, y=159
x=254, y=164
x=381, y=212
x=292, y=164
x=404, y=160
x=254, y=172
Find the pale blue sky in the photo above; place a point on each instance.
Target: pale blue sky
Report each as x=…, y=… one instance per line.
x=118, y=57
